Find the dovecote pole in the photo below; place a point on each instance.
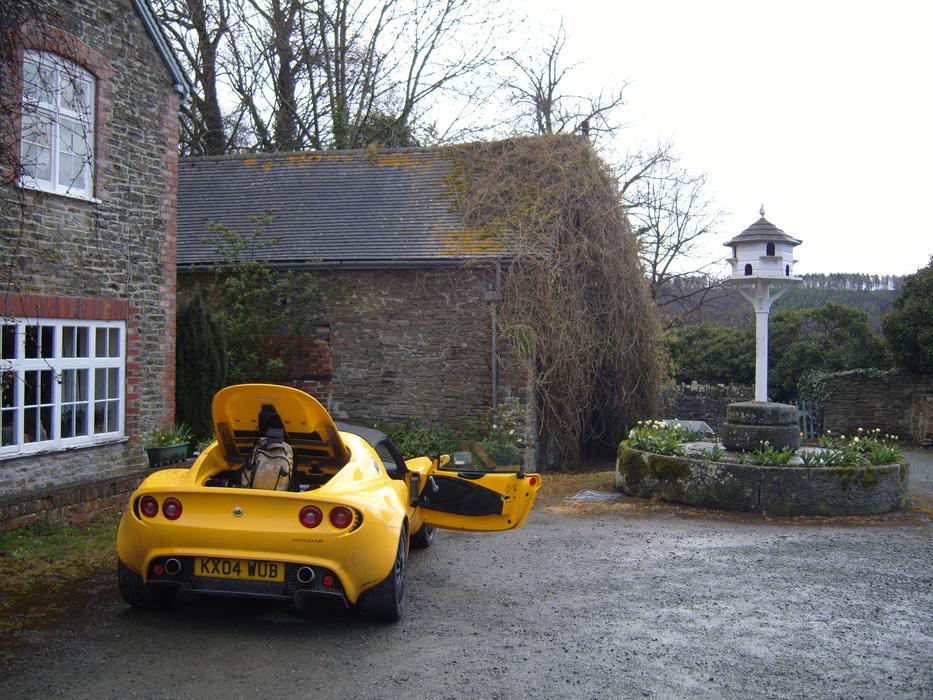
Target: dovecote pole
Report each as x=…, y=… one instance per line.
x=762, y=270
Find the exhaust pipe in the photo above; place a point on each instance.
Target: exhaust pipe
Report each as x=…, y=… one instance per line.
x=305, y=574
x=172, y=567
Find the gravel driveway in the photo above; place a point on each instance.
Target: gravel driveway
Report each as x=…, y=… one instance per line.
x=591, y=599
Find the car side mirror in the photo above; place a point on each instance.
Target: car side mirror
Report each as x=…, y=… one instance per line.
x=462, y=460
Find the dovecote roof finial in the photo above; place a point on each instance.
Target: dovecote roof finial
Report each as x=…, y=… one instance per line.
x=761, y=211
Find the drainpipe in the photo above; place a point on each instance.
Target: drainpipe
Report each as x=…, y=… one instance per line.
x=494, y=360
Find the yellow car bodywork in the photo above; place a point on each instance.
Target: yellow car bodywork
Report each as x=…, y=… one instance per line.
x=233, y=530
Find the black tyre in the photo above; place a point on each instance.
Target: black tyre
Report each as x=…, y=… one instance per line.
x=423, y=538
x=134, y=590
x=385, y=602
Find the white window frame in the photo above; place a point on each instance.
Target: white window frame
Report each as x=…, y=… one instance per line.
x=56, y=113
x=16, y=367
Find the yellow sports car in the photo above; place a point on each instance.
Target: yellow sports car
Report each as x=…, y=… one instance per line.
x=287, y=504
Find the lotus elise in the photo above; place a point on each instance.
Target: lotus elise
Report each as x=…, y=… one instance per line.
x=338, y=523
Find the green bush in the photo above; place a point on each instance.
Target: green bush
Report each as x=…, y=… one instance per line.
x=260, y=309
x=909, y=328
x=201, y=363
x=426, y=440
x=830, y=338
x=712, y=354
x=502, y=452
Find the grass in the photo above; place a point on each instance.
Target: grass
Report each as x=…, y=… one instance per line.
x=42, y=560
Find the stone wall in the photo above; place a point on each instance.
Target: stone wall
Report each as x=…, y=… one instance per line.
x=398, y=345
x=706, y=402
x=111, y=258
x=899, y=405
x=76, y=503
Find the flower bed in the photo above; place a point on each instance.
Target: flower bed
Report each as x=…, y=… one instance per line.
x=836, y=479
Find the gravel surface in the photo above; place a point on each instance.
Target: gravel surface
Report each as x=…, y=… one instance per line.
x=591, y=599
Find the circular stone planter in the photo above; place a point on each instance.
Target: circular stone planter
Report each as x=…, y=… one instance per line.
x=773, y=490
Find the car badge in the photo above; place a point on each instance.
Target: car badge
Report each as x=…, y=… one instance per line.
x=237, y=512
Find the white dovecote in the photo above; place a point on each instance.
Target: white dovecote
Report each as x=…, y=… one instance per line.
x=762, y=269
x=762, y=250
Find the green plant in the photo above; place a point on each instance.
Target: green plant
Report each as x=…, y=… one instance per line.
x=260, y=309
x=713, y=454
x=768, y=456
x=507, y=423
x=884, y=454
x=865, y=447
x=162, y=436
x=826, y=458
x=655, y=437
x=429, y=439
x=502, y=452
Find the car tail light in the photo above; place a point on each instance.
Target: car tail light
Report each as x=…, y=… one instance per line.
x=149, y=506
x=310, y=516
x=341, y=517
x=328, y=581
x=171, y=508
x=533, y=480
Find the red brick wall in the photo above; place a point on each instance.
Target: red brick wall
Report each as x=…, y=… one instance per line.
x=309, y=369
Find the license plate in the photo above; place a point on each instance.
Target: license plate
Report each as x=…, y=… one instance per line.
x=239, y=568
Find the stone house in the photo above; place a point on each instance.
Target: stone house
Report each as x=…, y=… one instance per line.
x=88, y=255
x=402, y=329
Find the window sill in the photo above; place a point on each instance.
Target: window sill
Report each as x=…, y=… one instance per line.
x=9, y=457
x=68, y=195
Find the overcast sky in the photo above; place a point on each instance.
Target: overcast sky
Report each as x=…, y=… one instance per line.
x=823, y=111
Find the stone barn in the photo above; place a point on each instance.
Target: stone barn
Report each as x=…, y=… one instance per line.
x=403, y=326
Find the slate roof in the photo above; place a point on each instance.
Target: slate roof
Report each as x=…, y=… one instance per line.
x=763, y=230
x=362, y=209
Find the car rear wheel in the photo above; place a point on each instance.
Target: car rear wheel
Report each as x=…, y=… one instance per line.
x=423, y=538
x=134, y=590
x=386, y=601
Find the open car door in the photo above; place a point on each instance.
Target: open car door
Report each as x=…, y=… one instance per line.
x=457, y=496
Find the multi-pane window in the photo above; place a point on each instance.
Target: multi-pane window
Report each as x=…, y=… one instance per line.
x=58, y=125
x=62, y=384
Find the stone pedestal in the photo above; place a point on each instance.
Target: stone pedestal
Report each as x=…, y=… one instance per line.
x=750, y=423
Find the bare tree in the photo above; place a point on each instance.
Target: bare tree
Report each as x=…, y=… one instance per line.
x=326, y=73
x=672, y=216
x=666, y=204
x=198, y=29
x=537, y=94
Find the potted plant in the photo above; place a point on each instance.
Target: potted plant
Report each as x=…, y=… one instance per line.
x=167, y=444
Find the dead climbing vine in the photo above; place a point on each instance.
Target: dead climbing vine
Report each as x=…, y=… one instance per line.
x=575, y=311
